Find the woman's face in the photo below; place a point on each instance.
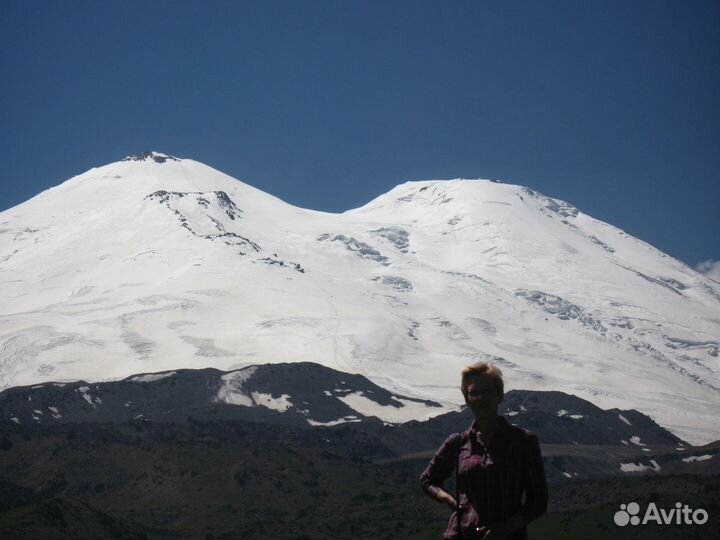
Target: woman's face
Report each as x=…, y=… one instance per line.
x=482, y=396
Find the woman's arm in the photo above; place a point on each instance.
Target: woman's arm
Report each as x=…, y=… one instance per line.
x=440, y=467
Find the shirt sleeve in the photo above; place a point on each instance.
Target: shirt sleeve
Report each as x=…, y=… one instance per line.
x=536, y=491
x=441, y=466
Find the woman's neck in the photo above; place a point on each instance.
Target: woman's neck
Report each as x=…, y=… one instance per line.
x=486, y=424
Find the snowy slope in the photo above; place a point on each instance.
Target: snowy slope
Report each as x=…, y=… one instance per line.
x=155, y=263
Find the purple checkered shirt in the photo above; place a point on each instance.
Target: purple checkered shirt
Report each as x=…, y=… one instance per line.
x=495, y=481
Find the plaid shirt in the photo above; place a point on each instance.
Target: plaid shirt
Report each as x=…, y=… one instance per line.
x=495, y=481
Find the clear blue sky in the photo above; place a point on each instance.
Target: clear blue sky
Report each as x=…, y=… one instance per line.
x=610, y=105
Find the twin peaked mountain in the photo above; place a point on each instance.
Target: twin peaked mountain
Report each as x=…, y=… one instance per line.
x=156, y=263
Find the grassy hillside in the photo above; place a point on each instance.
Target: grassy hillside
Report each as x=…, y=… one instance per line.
x=241, y=480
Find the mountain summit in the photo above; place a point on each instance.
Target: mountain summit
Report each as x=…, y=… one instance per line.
x=157, y=263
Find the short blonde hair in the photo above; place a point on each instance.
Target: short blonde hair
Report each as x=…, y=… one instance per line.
x=483, y=369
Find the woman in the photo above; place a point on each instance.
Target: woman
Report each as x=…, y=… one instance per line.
x=500, y=478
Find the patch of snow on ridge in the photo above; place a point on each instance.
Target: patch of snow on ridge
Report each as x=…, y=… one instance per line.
x=281, y=404
x=409, y=410
x=87, y=397
x=690, y=459
x=624, y=419
x=639, y=467
x=563, y=412
x=343, y=420
x=152, y=377
x=636, y=440
x=231, y=391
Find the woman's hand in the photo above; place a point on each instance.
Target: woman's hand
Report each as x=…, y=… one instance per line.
x=444, y=497
x=496, y=531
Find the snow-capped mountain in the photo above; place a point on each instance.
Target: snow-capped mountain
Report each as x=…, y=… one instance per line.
x=156, y=263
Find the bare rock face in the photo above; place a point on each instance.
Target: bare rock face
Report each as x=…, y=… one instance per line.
x=157, y=157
